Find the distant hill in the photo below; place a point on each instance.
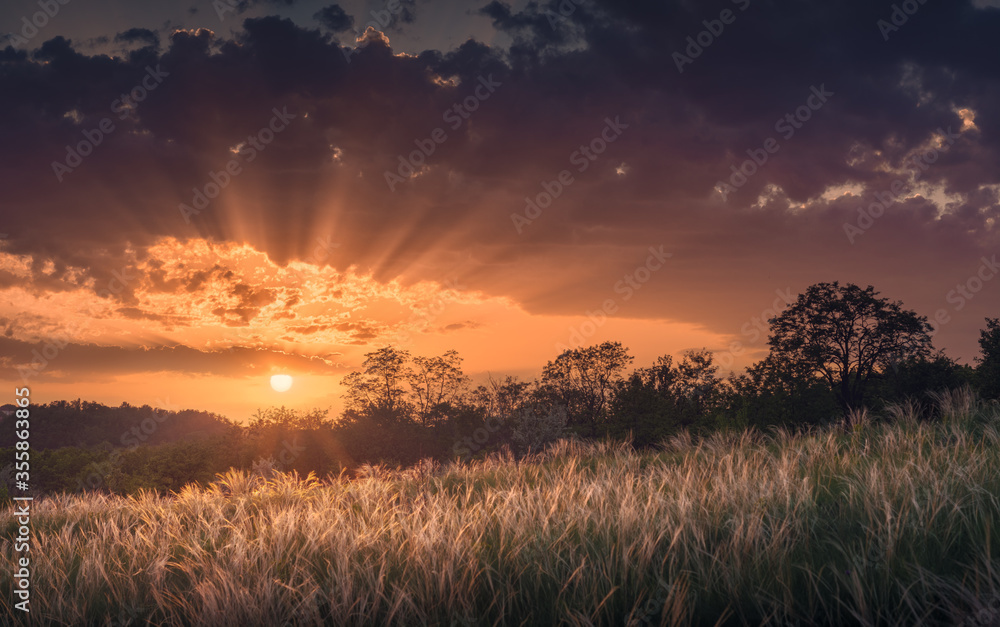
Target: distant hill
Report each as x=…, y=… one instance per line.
x=84, y=423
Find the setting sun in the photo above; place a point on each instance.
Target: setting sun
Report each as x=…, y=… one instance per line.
x=281, y=382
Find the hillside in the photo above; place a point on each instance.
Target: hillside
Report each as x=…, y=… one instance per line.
x=83, y=423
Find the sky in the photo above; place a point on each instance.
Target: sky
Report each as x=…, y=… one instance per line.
x=197, y=195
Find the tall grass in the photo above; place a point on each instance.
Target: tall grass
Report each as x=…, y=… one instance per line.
x=888, y=524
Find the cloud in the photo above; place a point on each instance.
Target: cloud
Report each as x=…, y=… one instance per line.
x=79, y=361
x=361, y=111
x=141, y=35
x=335, y=18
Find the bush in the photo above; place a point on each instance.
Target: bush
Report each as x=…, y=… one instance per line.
x=533, y=429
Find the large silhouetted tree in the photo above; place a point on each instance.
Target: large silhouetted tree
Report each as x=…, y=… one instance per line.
x=846, y=335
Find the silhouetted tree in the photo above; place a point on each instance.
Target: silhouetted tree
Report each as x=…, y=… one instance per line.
x=657, y=401
x=988, y=369
x=377, y=393
x=775, y=393
x=436, y=384
x=696, y=381
x=644, y=404
x=846, y=335
x=913, y=378
x=502, y=399
x=288, y=419
x=582, y=380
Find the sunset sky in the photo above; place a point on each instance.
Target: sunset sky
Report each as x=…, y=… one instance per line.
x=197, y=195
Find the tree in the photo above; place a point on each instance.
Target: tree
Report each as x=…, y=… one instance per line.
x=582, y=380
x=846, y=335
x=644, y=404
x=657, y=401
x=377, y=392
x=435, y=382
x=913, y=378
x=696, y=380
x=988, y=363
x=772, y=393
x=502, y=399
x=287, y=419
x=294, y=440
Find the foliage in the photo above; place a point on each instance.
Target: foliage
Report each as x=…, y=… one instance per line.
x=83, y=423
x=917, y=377
x=770, y=394
x=377, y=392
x=436, y=383
x=502, y=399
x=846, y=335
x=533, y=428
x=395, y=389
x=656, y=402
x=988, y=368
x=288, y=420
x=582, y=381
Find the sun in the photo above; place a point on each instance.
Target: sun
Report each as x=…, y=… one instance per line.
x=281, y=382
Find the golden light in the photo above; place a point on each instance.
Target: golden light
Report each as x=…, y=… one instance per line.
x=281, y=382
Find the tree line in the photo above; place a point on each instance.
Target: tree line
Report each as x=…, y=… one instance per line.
x=835, y=351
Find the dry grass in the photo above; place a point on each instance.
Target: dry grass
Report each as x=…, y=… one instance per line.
x=886, y=525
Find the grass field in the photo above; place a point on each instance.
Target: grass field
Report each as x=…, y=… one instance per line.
x=890, y=524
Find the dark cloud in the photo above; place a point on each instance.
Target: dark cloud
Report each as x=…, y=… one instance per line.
x=242, y=6
x=78, y=361
x=390, y=16
x=334, y=18
x=141, y=35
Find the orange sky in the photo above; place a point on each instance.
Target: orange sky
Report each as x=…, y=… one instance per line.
x=240, y=318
